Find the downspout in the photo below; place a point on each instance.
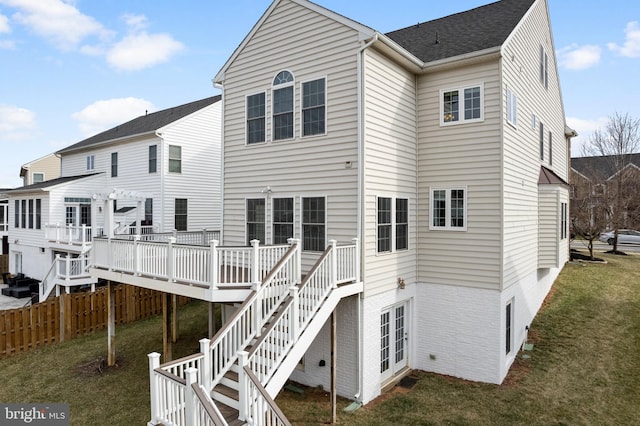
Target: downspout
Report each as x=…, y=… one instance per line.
x=360, y=205
x=162, y=172
x=221, y=87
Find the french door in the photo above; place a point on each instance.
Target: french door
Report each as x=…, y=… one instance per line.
x=394, y=340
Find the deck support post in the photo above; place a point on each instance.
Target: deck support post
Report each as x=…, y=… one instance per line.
x=212, y=319
x=167, y=329
x=334, y=414
x=111, y=324
x=174, y=318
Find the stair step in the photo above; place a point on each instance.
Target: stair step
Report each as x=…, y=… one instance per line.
x=225, y=395
x=230, y=414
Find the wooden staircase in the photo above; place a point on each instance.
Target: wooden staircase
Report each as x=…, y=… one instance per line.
x=248, y=361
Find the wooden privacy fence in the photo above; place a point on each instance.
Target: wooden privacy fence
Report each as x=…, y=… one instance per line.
x=73, y=315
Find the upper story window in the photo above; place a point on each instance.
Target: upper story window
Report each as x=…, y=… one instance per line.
x=393, y=224
x=283, y=106
x=175, y=159
x=448, y=209
x=461, y=105
x=544, y=67
x=256, y=118
x=153, y=158
x=541, y=141
x=90, y=162
x=512, y=107
x=114, y=164
x=313, y=107
x=38, y=177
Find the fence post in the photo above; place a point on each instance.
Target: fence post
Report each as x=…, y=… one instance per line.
x=205, y=373
x=189, y=396
x=213, y=266
x=295, y=312
x=243, y=403
x=334, y=264
x=356, y=259
x=255, y=264
x=154, y=362
x=170, y=259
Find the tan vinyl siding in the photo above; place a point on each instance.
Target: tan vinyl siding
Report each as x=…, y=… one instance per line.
x=390, y=165
x=49, y=166
x=462, y=155
x=310, y=46
x=521, y=73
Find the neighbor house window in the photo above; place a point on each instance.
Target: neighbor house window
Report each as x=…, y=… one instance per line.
x=448, y=209
x=114, y=164
x=255, y=220
x=313, y=107
x=544, y=67
x=180, y=214
x=541, y=141
x=16, y=214
x=153, y=158
x=175, y=159
x=313, y=224
x=512, y=107
x=38, y=177
x=256, y=118
x=282, y=220
x=283, y=106
x=148, y=211
x=90, y=162
x=563, y=221
x=32, y=214
x=23, y=214
x=461, y=105
x=70, y=216
x=508, y=337
x=38, y=213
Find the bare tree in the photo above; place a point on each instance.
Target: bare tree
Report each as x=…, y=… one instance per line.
x=589, y=213
x=615, y=143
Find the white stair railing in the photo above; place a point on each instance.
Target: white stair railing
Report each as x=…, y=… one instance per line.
x=63, y=269
x=261, y=409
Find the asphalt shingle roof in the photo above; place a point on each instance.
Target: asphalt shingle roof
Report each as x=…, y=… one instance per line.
x=144, y=124
x=49, y=183
x=602, y=166
x=465, y=32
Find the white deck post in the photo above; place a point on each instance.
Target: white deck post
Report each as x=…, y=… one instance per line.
x=139, y=211
x=189, y=397
x=297, y=264
x=334, y=263
x=136, y=255
x=170, y=259
x=213, y=265
x=205, y=374
x=204, y=237
x=154, y=362
x=255, y=264
x=243, y=403
x=67, y=268
x=356, y=259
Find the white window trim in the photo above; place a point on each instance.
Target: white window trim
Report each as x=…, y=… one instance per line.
x=448, y=226
x=246, y=118
x=461, y=119
x=169, y=159
x=512, y=107
x=293, y=106
x=394, y=224
x=326, y=97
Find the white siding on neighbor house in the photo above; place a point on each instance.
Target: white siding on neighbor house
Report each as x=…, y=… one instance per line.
x=82, y=188
x=310, y=46
x=461, y=155
x=48, y=166
x=390, y=166
x=521, y=163
x=199, y=136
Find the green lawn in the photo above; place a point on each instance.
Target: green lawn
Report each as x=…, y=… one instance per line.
x=584, y=368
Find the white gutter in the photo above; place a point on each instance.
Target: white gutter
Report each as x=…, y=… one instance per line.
x=360, y=204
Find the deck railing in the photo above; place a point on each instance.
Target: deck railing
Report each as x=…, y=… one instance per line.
x=63, y=270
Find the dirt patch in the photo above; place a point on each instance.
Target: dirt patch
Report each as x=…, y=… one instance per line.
x=519, y=370
x=97, y=367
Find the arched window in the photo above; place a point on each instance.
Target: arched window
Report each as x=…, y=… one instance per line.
x=283, y=106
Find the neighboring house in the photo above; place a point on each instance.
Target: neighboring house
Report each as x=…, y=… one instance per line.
x=36, y=171
x=596, y=179
x=160, y=170
x=4, y=221
x=441, y=148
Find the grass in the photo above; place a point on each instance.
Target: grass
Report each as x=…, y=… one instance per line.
x=584, y=368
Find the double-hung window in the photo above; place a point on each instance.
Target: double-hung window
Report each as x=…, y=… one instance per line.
x=153, y=158
x=37, y=178
x=175, y=159
x=114, y=164
x=448, y=209
x=283, y=106
x=256, y=118
x=282, y=220
x=180, y=214
x=32, y=214
x=255, y=220
x=90, y=162
x=512, y=107
x=313, y=107
x=23, y=214
x=16, y=214
x=541, y=141
x=38, y=213
x=393, y=224
x=461, y=105
x=313, y=224
x=384, y=224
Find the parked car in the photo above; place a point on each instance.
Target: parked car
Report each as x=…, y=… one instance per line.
x=625, y=236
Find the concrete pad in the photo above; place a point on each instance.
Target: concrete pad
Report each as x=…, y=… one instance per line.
x=7, y=302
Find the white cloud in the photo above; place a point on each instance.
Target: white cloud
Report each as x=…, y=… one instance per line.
x=16, y=123
x=135, y=22
x=59, y=22
x=104, y=114
x=585, y=129
x=576, y=57
x=4, y=24
x=631, y=47
x=7, y=44
x=142, y=50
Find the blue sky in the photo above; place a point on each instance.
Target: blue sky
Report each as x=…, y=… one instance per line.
x=72, y=68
